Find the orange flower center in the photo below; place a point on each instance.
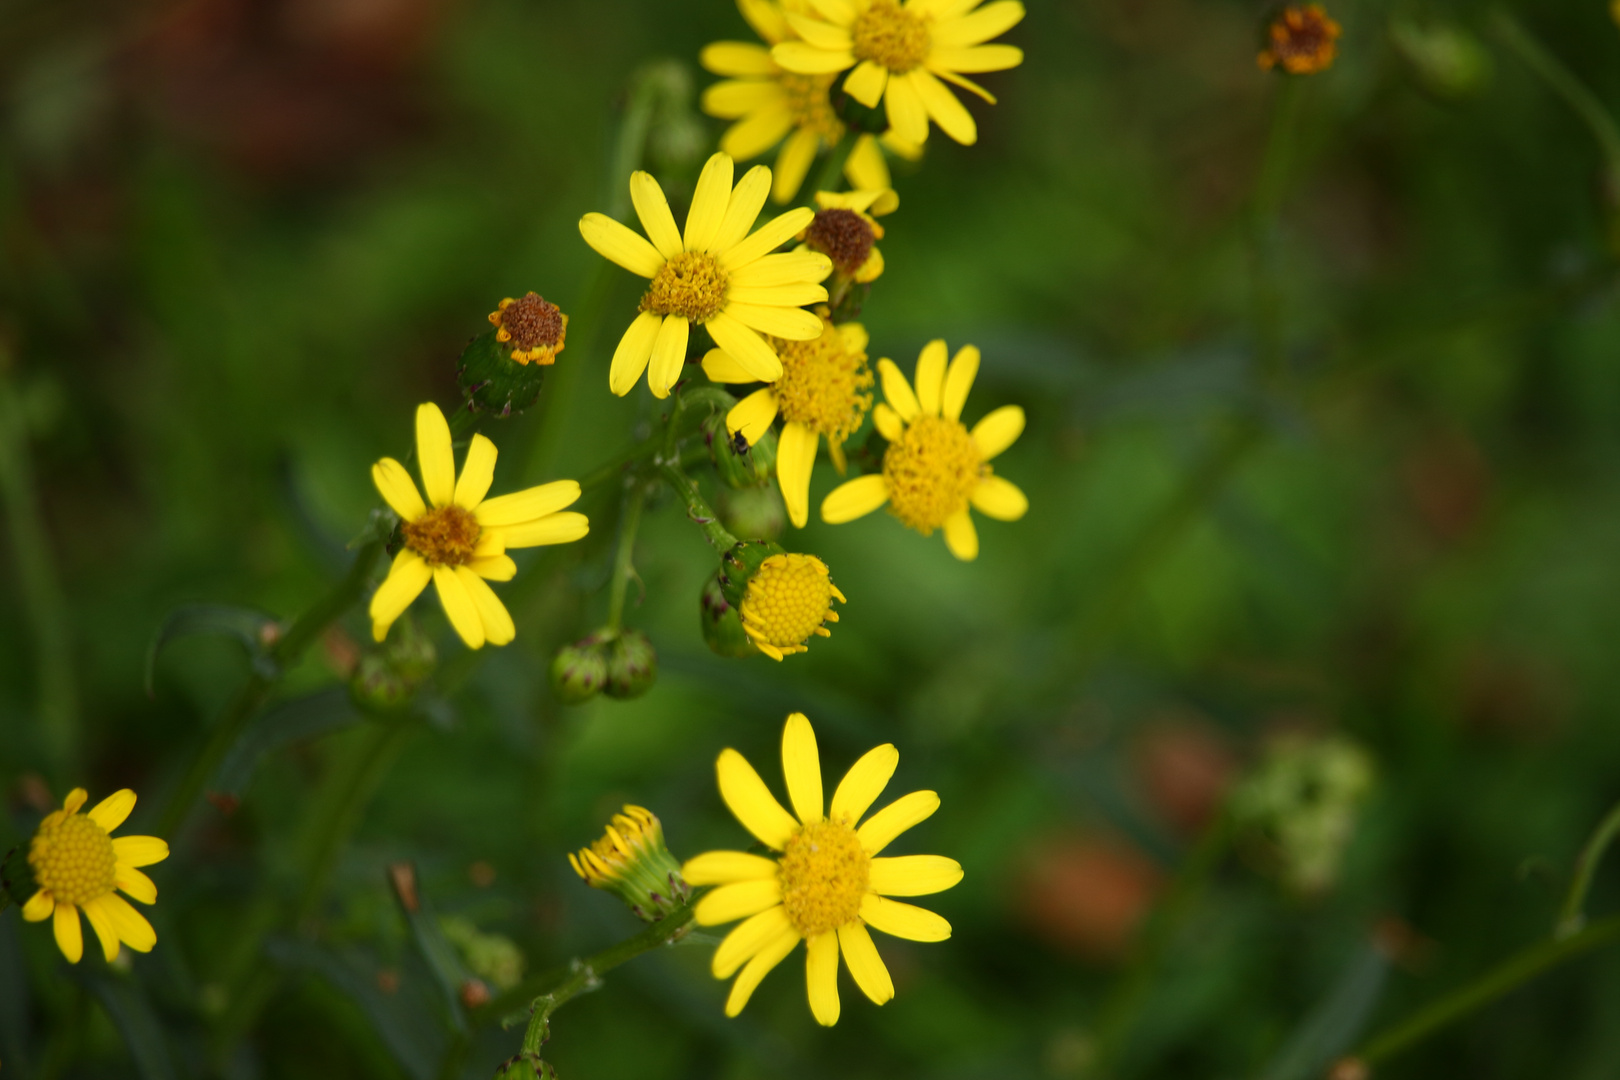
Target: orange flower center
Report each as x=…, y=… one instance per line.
x=444, y=537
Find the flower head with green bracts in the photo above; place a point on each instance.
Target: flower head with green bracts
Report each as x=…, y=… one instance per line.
x=903, y=54
x=826, y=884
x=457, y=538
x=631, y=861
x=935, y=468
x=78, y=866
x=721, y=274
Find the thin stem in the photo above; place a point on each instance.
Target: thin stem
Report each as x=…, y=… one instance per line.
x=697, y=508
x=1573, y=916
x=833, y=168
x=624, y=558
x=1270, y=185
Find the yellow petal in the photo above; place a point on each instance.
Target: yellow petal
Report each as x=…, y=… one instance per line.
x=864, y=963
x=793, y=295
x=896, y=391
x=865, y=166
x=726, y=868
x=491, y=542
x=976, y=58
x=795, y=459
x=853, y=336
x=101, y=923
x=965, y=83
x=620, y=244
x=459, y=607
x=961, y=536
x=888, y=422
x=709, y=201
x=477, y=473
x=721, y=368
x=635, y=349
x=872, y=268
x=737, y=58
x=435, y=456
x=958, y=381
x=770, y=954
x=494, y=568
x=130, y=925
x=110, y=812
x=865, y=84
x=752, y=416
x=752, y=802
x=904, y=106
x=823, y=35
x=69, y=934
x=668, y=355
x=527, y=505
x=747, y=200
x=787, y=268
x=882, y=827
x=653, y=210
x=748, y=938
x=498, y=627
x=821, y=977
x=801, y=766
x=746, y=347
x=753, y=135
x=728, y=903
x=769, y=236
x=914, y=875
x=944, y=107
x=989, y=21
x=837, y=12
x=856, y=498
x=766, y=17
x=563, y=528
x=864, y=782
x=806, y=59
x=397, y=488
x=791, y=323
x=75, y=799
x=998, y=431
x=999, y=498
x=735, y=98
x=903, y=920
x=39, y=907
x=139, y=850
x=405, y=581
x=135, y=883
x=931, y=377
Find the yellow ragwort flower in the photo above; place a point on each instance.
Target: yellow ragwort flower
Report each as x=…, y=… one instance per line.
x=900, y=52
x=458, y=539
x=1302, y=40
x=77, y=867
x=717, y=275
x=935, y=468
x=827, y=885
x=825, y=391
x=846, y=230
x=789, y=597
x=631, y=861
x=772, y=105
x=535, y=328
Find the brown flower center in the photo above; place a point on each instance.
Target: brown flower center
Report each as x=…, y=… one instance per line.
x=892, y=36
x=843, y=236
x=445, y=536
x=532, y=322
x=1302, y=40
x=692, y=284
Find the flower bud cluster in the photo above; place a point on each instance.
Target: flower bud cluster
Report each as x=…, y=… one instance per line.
x=621, y=664
x=1298, y=810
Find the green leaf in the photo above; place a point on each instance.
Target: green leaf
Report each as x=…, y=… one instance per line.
x=436, y=951
x=15, y=1003
x=256, y=631
x=288, y=722
x=1337, y=1022
x=130, y=1012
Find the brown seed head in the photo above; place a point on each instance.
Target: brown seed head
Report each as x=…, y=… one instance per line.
x=844, y=236
x=1302, y=40
x=444, y=536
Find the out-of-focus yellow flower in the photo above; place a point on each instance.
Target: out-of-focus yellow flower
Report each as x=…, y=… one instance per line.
x=901, y=53
x=458, y=539
x=78, y=866
x=533, y=327
x=935, y=468
x=827, y=884
x=717, y=275
x=1302, y=40
x=846, y=230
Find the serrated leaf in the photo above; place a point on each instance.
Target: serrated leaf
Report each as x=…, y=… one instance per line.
x=130, y=1012
x=286, y=723
x=253, y=628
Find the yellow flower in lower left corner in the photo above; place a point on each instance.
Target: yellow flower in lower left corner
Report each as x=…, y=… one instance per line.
x=79, y=867
x=458, y=539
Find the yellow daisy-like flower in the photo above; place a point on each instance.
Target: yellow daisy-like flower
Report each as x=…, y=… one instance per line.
x=78, y=867
x=846, y=230
x=824, y=391
x=901, y=52
x=716, y=275
x=827, y=885
x=935, y=468
x=772, y=105
x=458, y=539
x=788, y=599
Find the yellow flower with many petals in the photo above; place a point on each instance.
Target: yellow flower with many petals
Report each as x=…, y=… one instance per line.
x=78, y=866
x=827, y=884
x=935, y=468
x=824, y=391
x=772, y=105
x=717, y=275
x=900, y=52
x=846, y=231
x=458, y=539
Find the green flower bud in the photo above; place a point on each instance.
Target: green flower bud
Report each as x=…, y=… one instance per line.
x=736, y=463
x=754, y=512
x=632, y=665
x=494, y=958
x=722, y=623
x=1445, y=60
x=580, y=671
x=741, y=563
x=631, y=861
x=502, y=369
x=388, y=678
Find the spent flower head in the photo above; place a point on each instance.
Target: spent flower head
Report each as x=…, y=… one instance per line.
x=1300, y=40
x=846, y=230
x=631, y=861
x=534, y=328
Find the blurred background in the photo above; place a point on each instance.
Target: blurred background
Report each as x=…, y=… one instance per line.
x=1367, y=595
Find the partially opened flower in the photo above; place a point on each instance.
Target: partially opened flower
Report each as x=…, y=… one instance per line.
x=78, y=866
x=783, y=599
x=458, y=539
x=826, y=884
x=824, y=392
x=846, y=230
x=935, y=468
x=717, y=275
x=901, y=53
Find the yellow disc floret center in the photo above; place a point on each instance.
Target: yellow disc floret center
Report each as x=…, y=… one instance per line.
x=825, y=873
x=444, y=537
x=73, y=859
x=788, y=598
x=810, y=106
x=692, y=284
x=931, y=471
x=888, y=34
x=823, y=386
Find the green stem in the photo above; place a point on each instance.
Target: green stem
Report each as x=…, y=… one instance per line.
x=1518, y=969
x=697, y=508
x=624, y=558
x=1270, y=185
x=1562, y=82
x=828, y=179
x=1573, y=916
x=304, y=631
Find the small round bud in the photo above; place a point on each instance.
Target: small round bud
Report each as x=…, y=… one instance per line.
x=579, y=671
x=754, y=512
x=737, y=464
x=722, y=622
x=632, y=665
x=387, y=679
x=1444, y=59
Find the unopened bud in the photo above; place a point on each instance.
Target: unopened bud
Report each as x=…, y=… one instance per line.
x=631, y=861
x=632, y=665
x=754, y=512
x=737, y=464
x=1445, y=59
x=387, y=679
x=722, y=622
x=580, y=671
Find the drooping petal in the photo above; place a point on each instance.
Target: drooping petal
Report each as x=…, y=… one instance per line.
x=110, y=812
x=897, y=391
x=751, y=417
x=747, y=200
x=69, y=934
x=561, y=528
x=865, y=84
x=406, y=579
x=944, y=107
x=801, y=766
x=931, y=377
x=989, y=21
x=477, y=473
x=805, y=59
x=498, y=627
x=962, y=536
x=752, y=802
x=39, y=907
x=668, y=355
x=856, y=498
x=436, y=458
x=635, y=349
x=709, y=201
x=882, y=827
x=728, y=903
x=864, y=782
x=753, y=135
x=767, y=238
x=795, y=460
x=974, y=59
x=131, y=926
x=620, y=244
x=494, y=568
x=139, y=850
x=888, y=422
x=914, y=875
x=748, y=938
x=787, y=268
x=999, y=498
x=727, y=867
x=907, y=114
x=790, y=323
x=821, y=977
x=769, y=955
x=958, y=381
x=737, y=59
x=864, y=963
x=101, y=923
x=522, y=507
x=397, y=488
x=865, y=167
x=135, y=883
x=459, y=607
x=652, y=207
x=745, y=347
x=903, y=920
x=721, y=368
x=998, y=430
